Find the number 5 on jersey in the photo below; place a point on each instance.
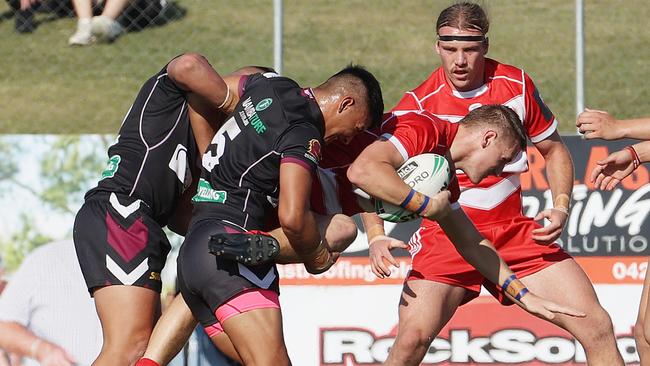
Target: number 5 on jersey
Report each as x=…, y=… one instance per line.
x=211, y=158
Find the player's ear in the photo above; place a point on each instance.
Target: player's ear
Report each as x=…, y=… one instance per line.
x=486, y=45
x=346, y=103
x=438, y=47
x=488, y=138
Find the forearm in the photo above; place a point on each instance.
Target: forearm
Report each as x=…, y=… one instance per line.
x=560, y=175
x=478, y=251
x=643, y=151
x=638, y=128
x=15, y=338
x=373, y=225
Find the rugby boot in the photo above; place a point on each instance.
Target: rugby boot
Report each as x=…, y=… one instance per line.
x=250, y=248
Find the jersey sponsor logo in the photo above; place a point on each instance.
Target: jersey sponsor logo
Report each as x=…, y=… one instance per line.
x=249, y=116
x=263, y=104
x=154, y=276
x=111, y=167
x=205, y=193
x=314, y=151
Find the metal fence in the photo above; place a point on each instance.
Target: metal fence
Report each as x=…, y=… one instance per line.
x=54, y=88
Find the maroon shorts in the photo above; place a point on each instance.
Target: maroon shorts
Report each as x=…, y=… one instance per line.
x=119, y=243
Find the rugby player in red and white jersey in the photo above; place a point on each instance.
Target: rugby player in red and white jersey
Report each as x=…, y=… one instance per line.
x=440, y=279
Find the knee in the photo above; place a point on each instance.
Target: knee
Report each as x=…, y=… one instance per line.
x=646, y=332
x=342, y=234
x=640, y=332
x=600, y=329
x=130, y=349
x=413, y=339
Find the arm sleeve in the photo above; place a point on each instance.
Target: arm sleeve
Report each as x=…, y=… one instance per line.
x=413, y=136
x=301, y=144
x=15, y=301
x=539, y=121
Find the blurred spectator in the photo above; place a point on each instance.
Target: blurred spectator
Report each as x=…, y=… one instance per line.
x=46, y=314
x=102, y=28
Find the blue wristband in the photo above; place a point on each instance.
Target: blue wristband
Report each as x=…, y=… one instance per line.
x=408, y=198
x=521, y=293
x=424, y=205
x=505, y=285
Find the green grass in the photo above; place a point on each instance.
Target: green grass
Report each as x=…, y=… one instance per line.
x=48, y=87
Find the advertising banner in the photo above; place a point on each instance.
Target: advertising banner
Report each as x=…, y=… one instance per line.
x=347, y=316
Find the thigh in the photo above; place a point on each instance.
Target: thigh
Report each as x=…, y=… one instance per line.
x=428, y=305
x=118, y=243
x=257, y=337
x=127, y=313
x=644, y=309
x=436, y=259
x=206, y=282
x=566, y=283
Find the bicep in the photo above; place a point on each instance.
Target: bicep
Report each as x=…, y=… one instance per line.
x=381, y=151
x=550, y=145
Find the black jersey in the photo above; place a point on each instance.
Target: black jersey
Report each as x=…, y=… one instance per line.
x=274, y=120
x=155, y=148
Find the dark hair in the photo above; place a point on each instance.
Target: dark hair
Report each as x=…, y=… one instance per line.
x=373, y=91
x=464, y=15
x=503, y=118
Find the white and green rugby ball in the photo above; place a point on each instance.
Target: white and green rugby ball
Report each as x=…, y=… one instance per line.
x=426, y=173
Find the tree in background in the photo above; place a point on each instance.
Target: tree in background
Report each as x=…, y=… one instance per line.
x=65, y=167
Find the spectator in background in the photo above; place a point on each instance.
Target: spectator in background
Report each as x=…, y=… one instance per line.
x=45, y=312
x=609, y=172
x=102, y=28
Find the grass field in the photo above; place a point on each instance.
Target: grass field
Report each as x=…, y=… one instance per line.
x=48, y=87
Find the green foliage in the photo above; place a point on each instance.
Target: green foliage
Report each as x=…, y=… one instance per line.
x=68, y=168
x=21, y=242
x=49, y=87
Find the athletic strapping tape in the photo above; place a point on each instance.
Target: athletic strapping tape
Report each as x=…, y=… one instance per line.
x=505, y=285
x=521, y=294
x=462, y=38
x=408, y=198
x=423, y=206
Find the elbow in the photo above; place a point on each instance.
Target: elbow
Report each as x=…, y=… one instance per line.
x=292, y=222
x=358, y=174
x=184, y=64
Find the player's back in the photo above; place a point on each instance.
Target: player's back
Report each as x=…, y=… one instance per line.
x=151, y=159
x=274, y=119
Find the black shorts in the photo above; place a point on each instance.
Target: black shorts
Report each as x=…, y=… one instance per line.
x=207, y=282
x=118, y=243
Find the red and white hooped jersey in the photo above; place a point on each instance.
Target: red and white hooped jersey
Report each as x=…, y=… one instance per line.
x=494, y=198
x=419, y=132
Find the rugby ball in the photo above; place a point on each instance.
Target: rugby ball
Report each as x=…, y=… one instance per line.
x=426, y=173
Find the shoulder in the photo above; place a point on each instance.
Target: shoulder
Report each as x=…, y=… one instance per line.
x=500, y=71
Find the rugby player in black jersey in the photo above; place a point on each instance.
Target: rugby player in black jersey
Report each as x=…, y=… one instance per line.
x=153, y=164
x=260, y=161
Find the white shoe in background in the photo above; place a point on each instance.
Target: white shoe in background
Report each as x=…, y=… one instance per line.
x=105, y=29
x=83, y=36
